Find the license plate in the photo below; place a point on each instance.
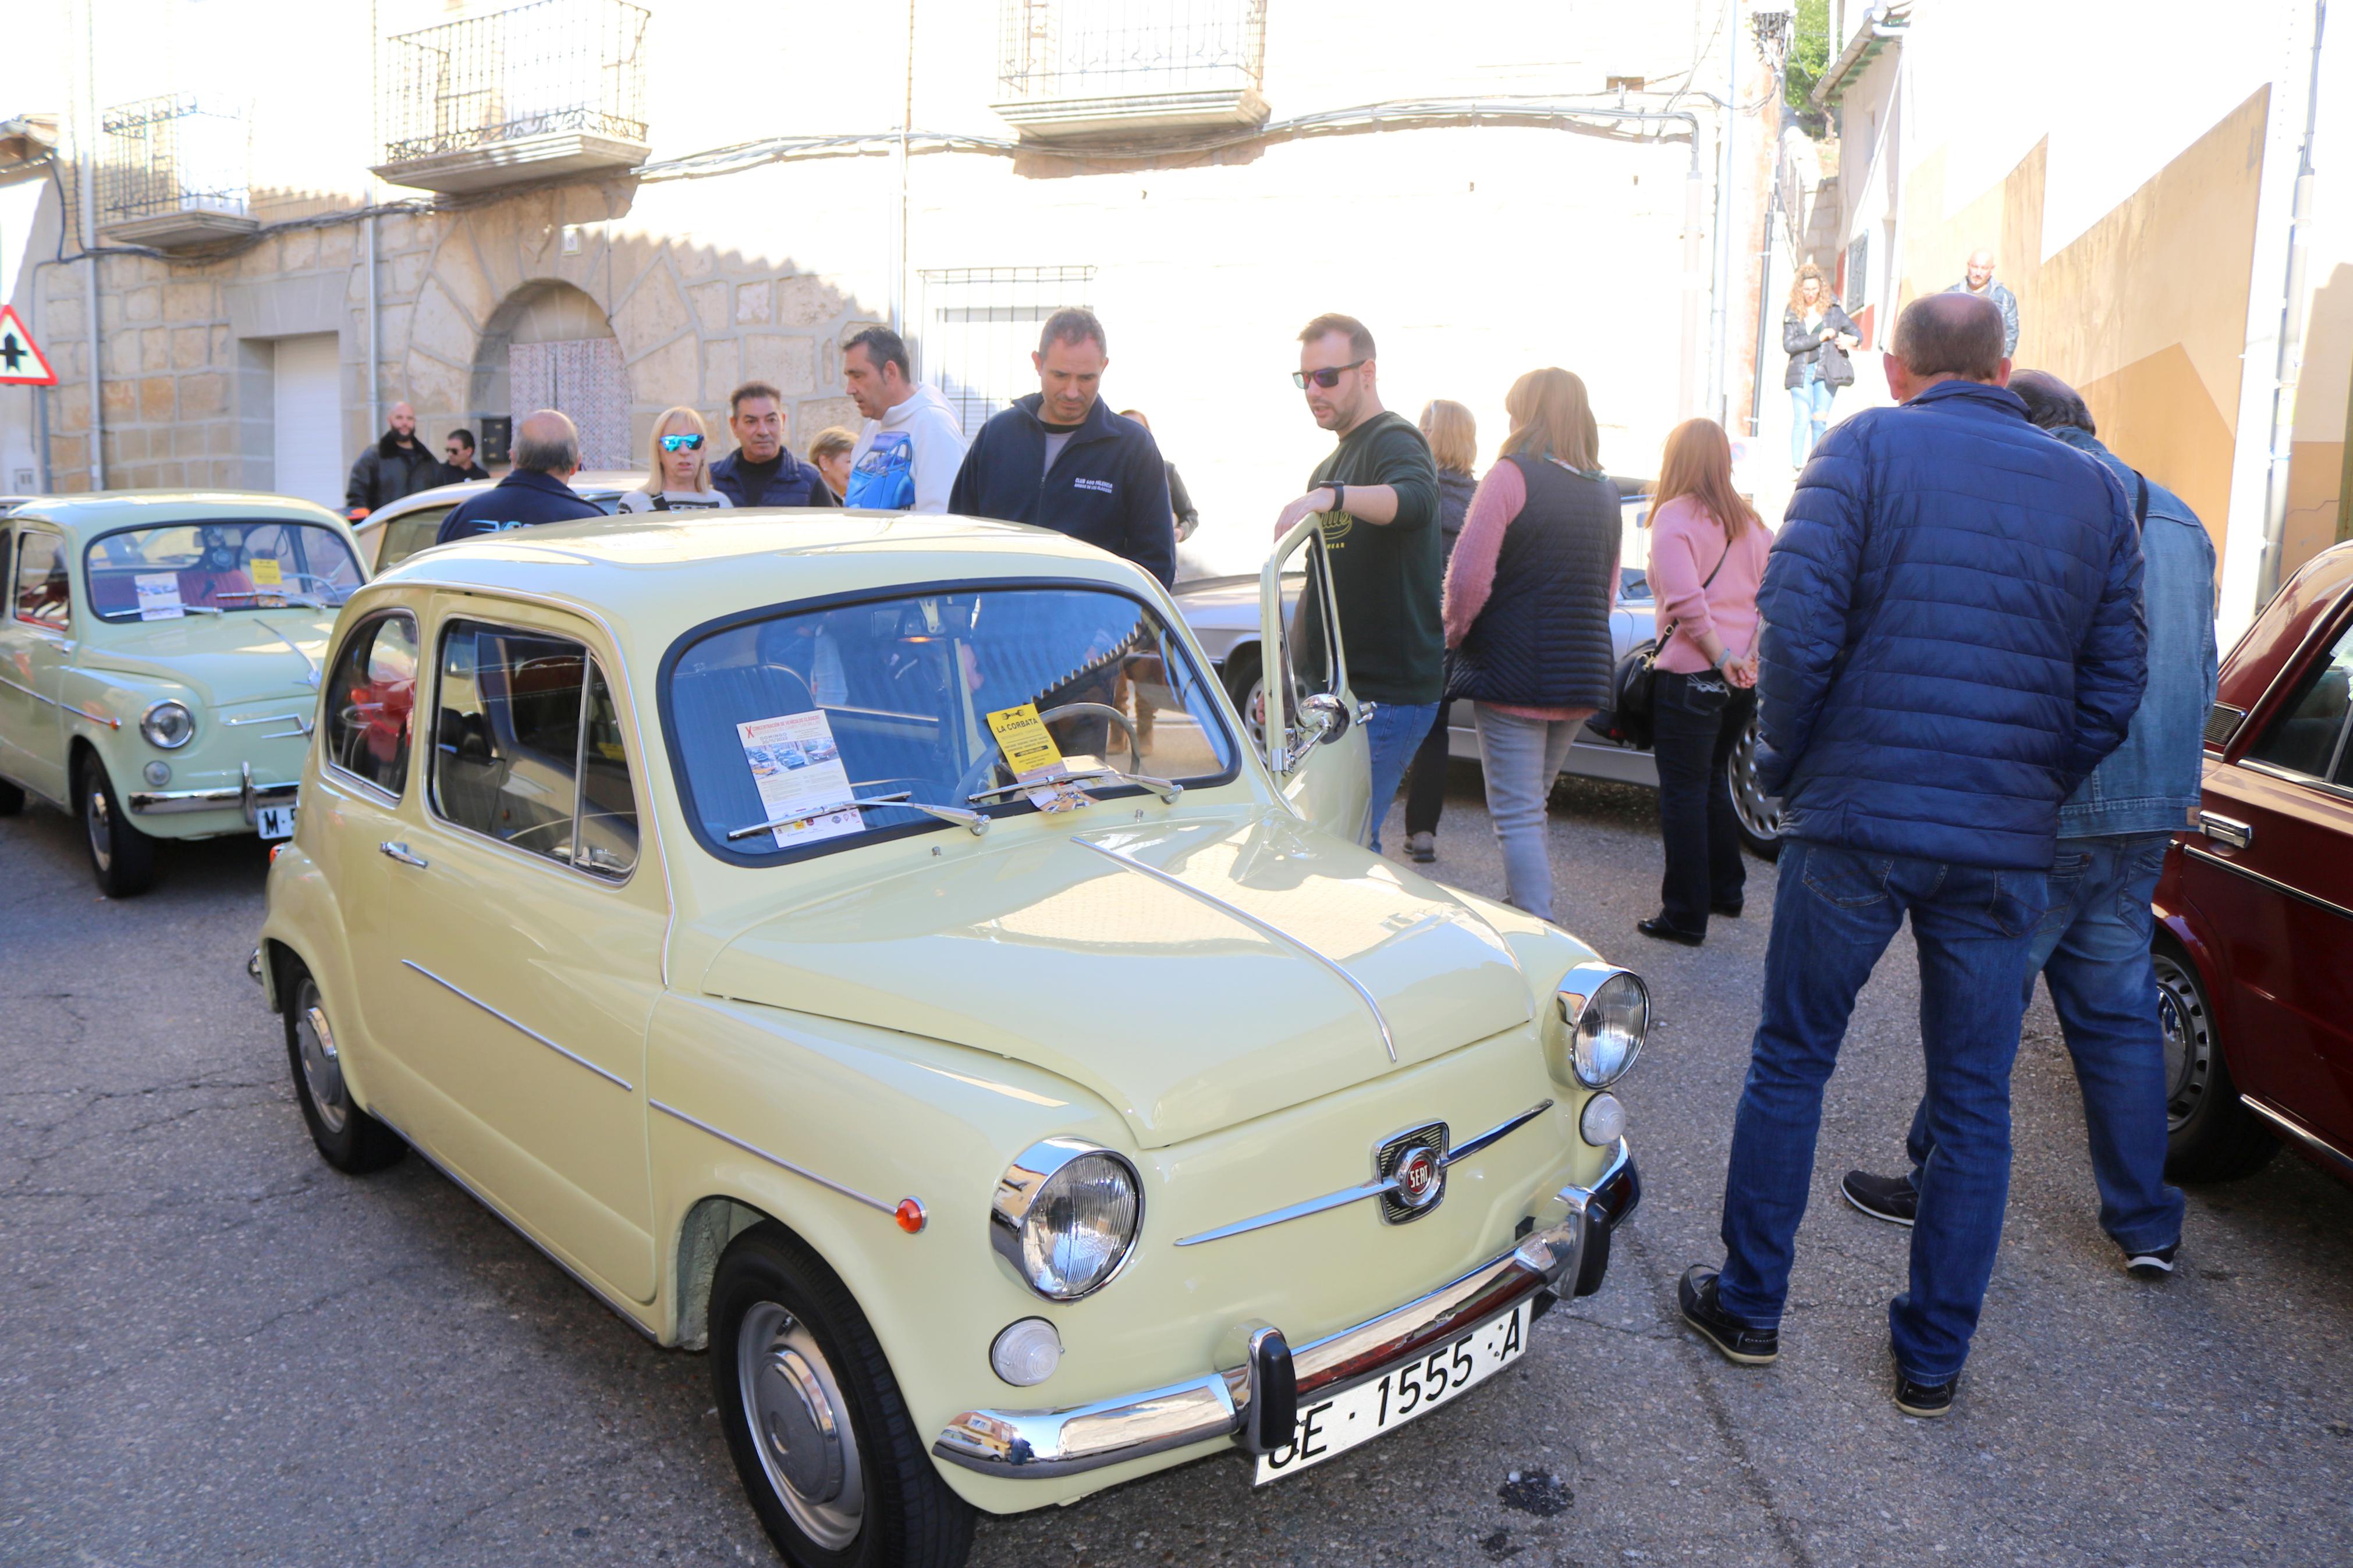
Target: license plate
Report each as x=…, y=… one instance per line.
x=1337, y=1422
x=274, y=821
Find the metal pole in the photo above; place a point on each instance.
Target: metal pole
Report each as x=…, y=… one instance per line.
x=899, y=229
x=374, y=344
x=2290, y=364
x=1719, y=335
x=86, y=176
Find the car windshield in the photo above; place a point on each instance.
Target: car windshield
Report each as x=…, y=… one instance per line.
x=786, y=719
x=216, y=568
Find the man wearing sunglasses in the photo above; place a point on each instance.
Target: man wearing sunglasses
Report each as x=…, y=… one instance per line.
x=761, y=471
x=1378, y=495
x=458, y=463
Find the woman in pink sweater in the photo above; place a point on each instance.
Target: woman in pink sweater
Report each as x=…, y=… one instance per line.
x=1707, y=556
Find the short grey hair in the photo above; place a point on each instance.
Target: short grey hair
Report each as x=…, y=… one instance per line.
x=1073, y=324
x=2051, y=402
x=547, y=442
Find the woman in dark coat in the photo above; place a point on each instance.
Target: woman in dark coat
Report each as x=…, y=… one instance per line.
x=1816, y=334
x=1453, y=439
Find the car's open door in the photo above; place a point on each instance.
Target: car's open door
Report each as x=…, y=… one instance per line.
x=1314, y=734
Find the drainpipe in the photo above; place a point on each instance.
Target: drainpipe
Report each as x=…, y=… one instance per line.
x=1719, y=334
x=2290, y=367
x=899, y=228
x=375, y=396
x=85, y=171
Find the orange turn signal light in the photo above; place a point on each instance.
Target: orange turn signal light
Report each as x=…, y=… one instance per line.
x=911, y=1216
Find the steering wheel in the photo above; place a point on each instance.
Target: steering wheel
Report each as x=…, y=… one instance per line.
x=984, y=767
x=1134, y=747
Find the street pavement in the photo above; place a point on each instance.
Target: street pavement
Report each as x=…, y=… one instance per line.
x=216, y=1351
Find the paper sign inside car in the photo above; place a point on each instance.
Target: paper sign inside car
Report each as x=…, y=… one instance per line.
x=266, y=572
x=159, y=596
x=797, y=768
x=1030, y=751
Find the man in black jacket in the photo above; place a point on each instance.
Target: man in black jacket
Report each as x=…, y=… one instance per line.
x=458, y=453
x=761, y=471
x=396, y=465
x=546, y=456
x=1061, y=459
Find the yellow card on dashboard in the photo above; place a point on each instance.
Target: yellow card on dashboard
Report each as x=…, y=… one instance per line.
x=1029, y=749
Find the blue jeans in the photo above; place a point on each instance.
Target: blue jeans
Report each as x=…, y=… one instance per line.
x=1394, y=734
x=2092, y=952
x=1809, y=412
x=1520, y=758
x=1834, y=914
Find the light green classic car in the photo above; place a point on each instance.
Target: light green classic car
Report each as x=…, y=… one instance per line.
x=863, y=947
x=159, y=663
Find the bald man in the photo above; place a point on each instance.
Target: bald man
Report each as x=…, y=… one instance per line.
x=1978, y=279
x=546, y=456
x=396, y=465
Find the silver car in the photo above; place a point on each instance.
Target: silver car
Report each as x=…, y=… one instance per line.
x=1224, y=615
x=398, y=530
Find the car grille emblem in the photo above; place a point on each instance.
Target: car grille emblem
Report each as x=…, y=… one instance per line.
x=1415, y=1160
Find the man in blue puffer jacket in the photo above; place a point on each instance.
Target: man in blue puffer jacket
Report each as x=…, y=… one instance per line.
x=1952, y=641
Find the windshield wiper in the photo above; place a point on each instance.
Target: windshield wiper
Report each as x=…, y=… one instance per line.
x=971, y=819
x=1166, y=789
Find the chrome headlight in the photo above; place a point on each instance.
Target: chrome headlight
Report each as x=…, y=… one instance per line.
x=1065, y=1216
x=168, y=726
x=1605, y=1011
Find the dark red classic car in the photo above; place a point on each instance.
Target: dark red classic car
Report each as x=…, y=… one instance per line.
x=2255, y=935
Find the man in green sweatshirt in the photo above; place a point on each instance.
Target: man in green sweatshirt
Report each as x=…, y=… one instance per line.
x=1376, y=495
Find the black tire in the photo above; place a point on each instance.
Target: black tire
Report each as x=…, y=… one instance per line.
x=787, y=1337
x=2210, y=1136
x=348, y=1138
x=1758, y=815
x=1241, y=676
x=12, y=799
x=121, y=859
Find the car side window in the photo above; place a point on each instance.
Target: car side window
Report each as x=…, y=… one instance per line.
x=405, y=535
x=371, y=698
x=527, y=747
x=2308, y=736
x=41, y=594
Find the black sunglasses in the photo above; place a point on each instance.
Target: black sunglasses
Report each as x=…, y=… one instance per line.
x=1326, y=378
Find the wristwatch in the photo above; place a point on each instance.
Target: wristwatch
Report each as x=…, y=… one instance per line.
x=1339, y=496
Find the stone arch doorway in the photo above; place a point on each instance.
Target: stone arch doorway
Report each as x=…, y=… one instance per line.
x=549, y=346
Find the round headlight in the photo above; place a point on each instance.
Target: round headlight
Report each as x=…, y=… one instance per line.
x=1065, y=1216
x=1606, y=1012
x=168, y=725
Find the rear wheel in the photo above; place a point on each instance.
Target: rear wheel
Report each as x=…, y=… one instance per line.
x=829, y=1453
x=2210, y=1136
x=348, y=1138
x=1759, y=813
x=12, y=799
x=121, y=858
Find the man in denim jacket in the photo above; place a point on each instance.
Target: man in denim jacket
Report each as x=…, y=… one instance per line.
x=2092, y=947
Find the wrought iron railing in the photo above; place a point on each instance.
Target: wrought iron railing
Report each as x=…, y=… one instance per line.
x=547, y=67
x=175, y=153
x=1116, y=49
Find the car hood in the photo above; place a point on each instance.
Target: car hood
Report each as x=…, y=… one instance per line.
x=1194, y=973
x=228, y=659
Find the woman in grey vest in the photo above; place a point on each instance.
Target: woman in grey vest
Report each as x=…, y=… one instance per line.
x=1528, y=595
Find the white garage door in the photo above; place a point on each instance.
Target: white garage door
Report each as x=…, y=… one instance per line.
x=310, y=419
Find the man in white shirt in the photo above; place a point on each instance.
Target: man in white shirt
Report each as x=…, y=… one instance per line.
x=907, y=456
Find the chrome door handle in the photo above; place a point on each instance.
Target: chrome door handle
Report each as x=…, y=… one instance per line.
x=400, y=853
x=2226, y=830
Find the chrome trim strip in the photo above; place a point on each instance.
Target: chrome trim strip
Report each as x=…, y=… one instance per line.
x=165, y=802
x=574, y=1058
x=1042, y=1444
x=2289, y=775
x=111, y=724
x=757, y=1152
x=301, y=721
x=1388, y=1041
x=2197, y=852
x=315, y=674
x=1347, y=1196
x=2301, y=1134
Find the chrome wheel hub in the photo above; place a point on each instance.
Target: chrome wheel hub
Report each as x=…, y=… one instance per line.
x=1759, y=813
x=322, y=1069
x=100, y=825
x=800, y=1425
x=2188, y=1040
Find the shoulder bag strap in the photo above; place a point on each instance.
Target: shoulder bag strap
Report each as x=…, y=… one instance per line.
x=2140, y=501
x=1704, y=584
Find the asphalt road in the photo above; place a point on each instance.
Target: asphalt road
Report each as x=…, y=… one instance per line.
x=216, y=1351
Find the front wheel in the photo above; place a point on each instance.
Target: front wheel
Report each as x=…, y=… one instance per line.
x=12, y=799
x=823, y=1440
x=1243, y=682
x=1759, y=813
x=121, y=858
x=2210, y=1136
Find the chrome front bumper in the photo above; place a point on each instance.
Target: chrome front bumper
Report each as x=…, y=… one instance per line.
x=1255, y=1403
x=247, y=796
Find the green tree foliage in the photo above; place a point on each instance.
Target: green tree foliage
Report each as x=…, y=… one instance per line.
x=1809, y=54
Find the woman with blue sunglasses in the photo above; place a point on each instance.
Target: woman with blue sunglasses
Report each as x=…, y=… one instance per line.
x=681, y=479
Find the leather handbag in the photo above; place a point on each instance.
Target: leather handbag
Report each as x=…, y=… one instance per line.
x=1633, y=683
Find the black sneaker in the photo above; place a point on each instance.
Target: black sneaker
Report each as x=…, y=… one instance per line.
x=2150, y=1262
x=1890, y=1198
x=1924, y=1400
x=1695, y=1293
x=1731, y=910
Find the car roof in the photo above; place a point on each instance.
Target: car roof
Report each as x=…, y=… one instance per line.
x=652, y=576
x=589, y=482
x=100, y=511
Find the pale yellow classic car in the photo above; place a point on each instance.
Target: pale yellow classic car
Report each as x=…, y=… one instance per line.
x=159, y=663
x=864, y=947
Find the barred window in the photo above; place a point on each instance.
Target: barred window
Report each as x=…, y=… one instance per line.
x=980, y=324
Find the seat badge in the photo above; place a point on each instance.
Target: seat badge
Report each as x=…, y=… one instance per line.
x=1415, y=1160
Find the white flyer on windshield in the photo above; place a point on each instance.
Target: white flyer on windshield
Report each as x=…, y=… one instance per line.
x=159, y=596
x=798, y=769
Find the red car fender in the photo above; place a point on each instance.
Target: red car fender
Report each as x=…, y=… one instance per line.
x=2180, y=919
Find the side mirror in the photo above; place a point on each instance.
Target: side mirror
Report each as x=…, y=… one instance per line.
x=1326, y=718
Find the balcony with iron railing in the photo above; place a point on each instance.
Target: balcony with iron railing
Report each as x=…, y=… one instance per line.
x=171, y=172
x=536, y=92
x=1110, y=68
